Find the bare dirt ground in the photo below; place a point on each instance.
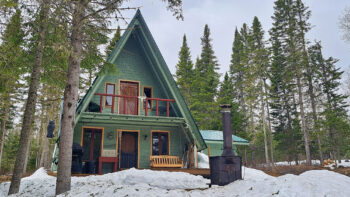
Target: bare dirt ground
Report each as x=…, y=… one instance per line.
x=296, y=170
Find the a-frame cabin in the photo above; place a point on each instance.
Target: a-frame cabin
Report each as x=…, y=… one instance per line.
x=125, y=118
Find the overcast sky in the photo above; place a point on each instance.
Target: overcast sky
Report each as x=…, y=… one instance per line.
x=223, y=16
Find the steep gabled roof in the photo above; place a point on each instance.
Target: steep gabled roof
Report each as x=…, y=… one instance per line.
x=138, y=26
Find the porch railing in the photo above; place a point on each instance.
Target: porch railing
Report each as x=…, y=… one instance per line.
x=136, y=100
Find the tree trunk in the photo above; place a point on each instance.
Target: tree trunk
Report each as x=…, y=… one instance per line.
x=270, y=128
x=264, y=126
x=253, y=133
x=3, y=132
x=44, y=153
x=314, y=116
x=63, y=183
x=31, y=103
x=26, y=158
x=303, y=123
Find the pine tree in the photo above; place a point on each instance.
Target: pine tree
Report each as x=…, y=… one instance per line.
x=335, y=113
x=204, y=106
x=184, y=72
x=290, y=26
x=113, y=41
x=31, y=100
x=259, y=67
x=314, y=85
x=237, y=70
x=282, y=89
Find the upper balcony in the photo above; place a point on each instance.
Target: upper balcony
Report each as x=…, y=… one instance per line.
x=131, y=105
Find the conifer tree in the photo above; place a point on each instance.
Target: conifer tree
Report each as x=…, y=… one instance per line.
x=290, y=26
x=259, y=67
x=113, y=41
x=314, y=85
x=281, y=88
x=206, y=82
x=237, y=72
x=11, y=66
x=184, y=72
x=31, y=99
x=335, y=113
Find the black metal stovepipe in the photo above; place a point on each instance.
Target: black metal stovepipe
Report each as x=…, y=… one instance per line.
x=227, y=131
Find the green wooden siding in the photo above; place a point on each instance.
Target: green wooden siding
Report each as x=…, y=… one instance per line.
x=132, y=64
x=177, y=138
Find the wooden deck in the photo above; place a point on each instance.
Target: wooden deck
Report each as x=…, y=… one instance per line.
x=205, y=172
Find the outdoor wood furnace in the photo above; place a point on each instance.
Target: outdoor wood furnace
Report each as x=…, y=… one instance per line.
x=226, y=168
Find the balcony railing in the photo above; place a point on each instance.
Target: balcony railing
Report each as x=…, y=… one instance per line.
x=135, y=99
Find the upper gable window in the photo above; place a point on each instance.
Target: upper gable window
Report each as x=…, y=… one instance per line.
x=110, y=89
x=147, y=91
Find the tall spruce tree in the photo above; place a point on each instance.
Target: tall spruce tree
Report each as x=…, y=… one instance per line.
x=113, y=41
x=11, y=66
x=290, y=26
x=259, y=67
x=237, y=70
x=204, y=106
x=281, y=85
x=184, y=72
x=335, y=113
x=313, y=81
x=28, y=116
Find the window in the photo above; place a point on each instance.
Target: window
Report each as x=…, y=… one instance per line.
x=160, y=143
x=110, y=89
x=147, y=92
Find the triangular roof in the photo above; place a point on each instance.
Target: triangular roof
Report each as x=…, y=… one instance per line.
x=138, y=25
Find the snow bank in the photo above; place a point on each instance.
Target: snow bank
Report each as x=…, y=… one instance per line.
x=292, y=163
x=203, y=160
x=38, y=184
x=135, y=182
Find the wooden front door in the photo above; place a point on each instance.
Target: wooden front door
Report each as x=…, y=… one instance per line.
x=92, y=139
x=128, y=153
x=128, y=105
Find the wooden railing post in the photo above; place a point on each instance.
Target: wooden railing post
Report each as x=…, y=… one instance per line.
x=135, y=108
x=146, y=107
x=101, y=104
x=124, y=105
x=157, y=111
x=167, y=108
x=113, y=103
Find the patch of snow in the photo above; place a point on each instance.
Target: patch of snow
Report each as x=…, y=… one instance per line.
x=292, y=163
x=135, y=182
x=344, y=163
x=203, y=160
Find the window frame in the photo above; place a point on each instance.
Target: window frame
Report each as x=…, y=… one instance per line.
x=159, y=131
x=114, y=92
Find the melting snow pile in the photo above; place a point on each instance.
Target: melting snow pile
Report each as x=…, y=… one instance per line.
x=156, y=183
x=203, y=160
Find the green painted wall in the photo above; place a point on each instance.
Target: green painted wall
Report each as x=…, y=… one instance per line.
x=216, y=148
x=132, y=64
x=177, y=139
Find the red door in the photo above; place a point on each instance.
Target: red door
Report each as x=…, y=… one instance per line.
x=128, y=105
